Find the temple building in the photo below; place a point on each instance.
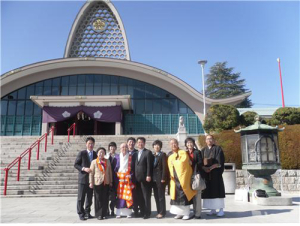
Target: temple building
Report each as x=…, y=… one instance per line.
x=98, y=87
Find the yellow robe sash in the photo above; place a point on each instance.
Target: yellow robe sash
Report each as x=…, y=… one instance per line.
x=184, y=173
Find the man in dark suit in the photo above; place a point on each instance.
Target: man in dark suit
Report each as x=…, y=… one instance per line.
x=133, y=152
x=82, y=164
x=113, y=158
x=160, y=178
x=143, y=175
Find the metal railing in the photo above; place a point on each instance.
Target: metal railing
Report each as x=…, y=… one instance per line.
x=27, y=151
x=72, y=127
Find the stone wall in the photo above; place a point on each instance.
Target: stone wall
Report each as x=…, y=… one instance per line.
x=283, y=180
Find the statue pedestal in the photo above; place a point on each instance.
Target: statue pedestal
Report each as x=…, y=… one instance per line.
x=181, y=136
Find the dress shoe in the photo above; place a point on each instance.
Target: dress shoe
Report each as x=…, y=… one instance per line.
x=100, y=218
x=197, y=217
x=212, y=212
x=118, y=217
x=178, y=217
x=146, y=217
x=160, y=216
x=220, y=213
x=82, y=218
x=88, y=216
x=129, y=216
x=187, y=217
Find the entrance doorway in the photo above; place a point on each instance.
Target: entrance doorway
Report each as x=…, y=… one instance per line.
x=85, y=127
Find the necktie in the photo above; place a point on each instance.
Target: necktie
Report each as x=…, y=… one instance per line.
x=91, y=156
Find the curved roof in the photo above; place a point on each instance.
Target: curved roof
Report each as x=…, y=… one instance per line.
x=97, y=31
x=29, y=74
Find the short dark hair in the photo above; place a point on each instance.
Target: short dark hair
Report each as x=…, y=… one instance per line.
x=141, y=138
x=101, y=148
x=191, y=140
x=90, y=138
x=157, y=142
x=112, y=144
x=131, y=138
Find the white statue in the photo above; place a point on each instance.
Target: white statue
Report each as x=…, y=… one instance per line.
x=181, y=122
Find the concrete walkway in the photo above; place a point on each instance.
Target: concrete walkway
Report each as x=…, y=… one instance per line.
x=63, y=210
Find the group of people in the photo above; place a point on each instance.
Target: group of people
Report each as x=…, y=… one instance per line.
x=125, y=181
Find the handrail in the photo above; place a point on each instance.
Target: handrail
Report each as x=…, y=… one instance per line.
x=23, y=154
x=72, y=127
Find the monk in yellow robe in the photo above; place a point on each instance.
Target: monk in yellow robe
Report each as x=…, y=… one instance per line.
x=180, y=185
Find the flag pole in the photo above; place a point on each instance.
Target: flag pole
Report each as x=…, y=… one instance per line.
x=278, y=60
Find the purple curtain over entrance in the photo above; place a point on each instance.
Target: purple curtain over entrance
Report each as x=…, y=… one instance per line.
x=102, y=114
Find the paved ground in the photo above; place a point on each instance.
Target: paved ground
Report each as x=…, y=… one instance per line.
x=63, y=210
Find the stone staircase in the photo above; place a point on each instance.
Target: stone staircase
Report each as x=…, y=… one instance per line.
x=53, y=175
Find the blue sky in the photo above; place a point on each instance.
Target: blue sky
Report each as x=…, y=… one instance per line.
x=173, y=36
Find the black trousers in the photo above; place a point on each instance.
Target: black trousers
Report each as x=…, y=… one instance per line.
x=159, y=190
x=135, y=201
x=85, y=194
x=144, y=197
x=101, y=193
x=112, y=198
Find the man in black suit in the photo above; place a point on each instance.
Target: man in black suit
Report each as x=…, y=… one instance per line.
x=160, y=178
x=143, y=174
x=133, y=152
x=82, y=164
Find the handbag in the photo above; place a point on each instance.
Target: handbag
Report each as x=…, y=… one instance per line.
x=198, y=184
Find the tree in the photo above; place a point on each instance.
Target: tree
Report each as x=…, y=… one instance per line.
x=287, y=115
x=221, y=117
x=248, y=118
x=222, y=82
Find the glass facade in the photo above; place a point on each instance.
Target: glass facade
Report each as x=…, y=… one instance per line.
x=154, y=110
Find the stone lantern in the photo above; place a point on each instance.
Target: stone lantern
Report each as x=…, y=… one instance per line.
x=260, y=154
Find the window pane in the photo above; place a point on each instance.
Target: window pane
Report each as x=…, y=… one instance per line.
x=149, y=91
x=123, y=90
x=55, y=90
x=22, y=93
x=105, y=90
x=157, y=92
x=165, y=106
x=190, y=111
x=157, y=106
x=114, y=90
x=3, y=107
x=97, y=90
x=114, y=80
x=89, y=80
x=65, y=81
x=37, y=110
x=139, y=92
x=72, y=91
x=29, y=107
x=38, y=90
x=80, y=90
x=123, y=81
x=89, y=90
x=98, y=80
x=182, y=107
x=47, y=90
x=39, y=84
x=29, y=91
x=106, y=80
x=139, y=107
x=81, y=80
x=148, y=107
x=73, y=80
x=20, y=107
x=56, y=82
x=47, y=82
x=173, y=106
x=64, y=90
x=12, y=107
x=13, y=96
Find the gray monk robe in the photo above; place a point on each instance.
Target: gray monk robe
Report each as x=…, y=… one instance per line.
x=214, y=194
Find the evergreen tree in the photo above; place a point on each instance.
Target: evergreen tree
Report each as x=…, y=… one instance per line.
x=222, y=82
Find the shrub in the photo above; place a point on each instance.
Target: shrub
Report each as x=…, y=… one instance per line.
x=289, y=146
x=248, y=118
x=221, y=117
x=287, y=115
